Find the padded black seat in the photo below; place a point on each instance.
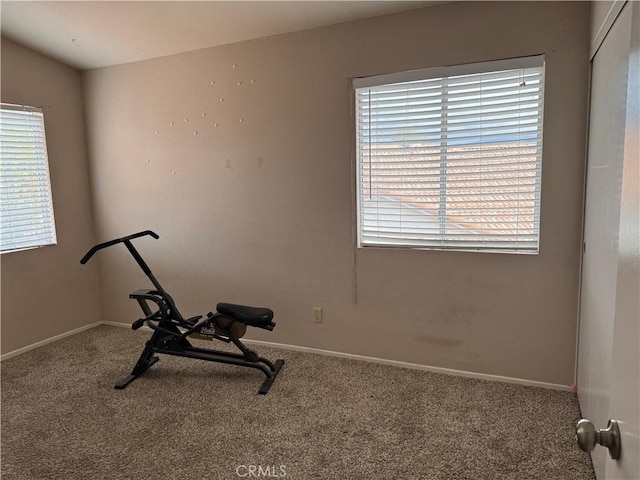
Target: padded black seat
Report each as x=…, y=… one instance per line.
x=252, y=316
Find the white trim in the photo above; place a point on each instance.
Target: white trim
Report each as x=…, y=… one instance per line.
x=415, y=366
x=329, y=353
x=582, y=237
x=607, y=23
x=33, y=346
x=118, y=324
x=449, y=71
x=20, y=108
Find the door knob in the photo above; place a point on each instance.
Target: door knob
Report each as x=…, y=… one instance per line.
x=587, y=437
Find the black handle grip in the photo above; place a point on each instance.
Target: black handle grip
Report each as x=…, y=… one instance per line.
x=100, y=246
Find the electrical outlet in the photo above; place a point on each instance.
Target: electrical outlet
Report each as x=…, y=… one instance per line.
x=317, y=315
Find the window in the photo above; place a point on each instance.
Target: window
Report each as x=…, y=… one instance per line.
x=26, y=207
x=451, y=158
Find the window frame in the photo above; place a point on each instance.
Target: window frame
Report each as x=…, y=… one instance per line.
x=48, y=235
x=386, y=80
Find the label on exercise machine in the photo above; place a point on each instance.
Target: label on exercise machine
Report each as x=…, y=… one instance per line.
x=206, y=332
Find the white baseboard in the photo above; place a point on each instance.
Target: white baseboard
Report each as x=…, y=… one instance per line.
x=396, y=363
x=33, y=346
x=118, y=324
x=415, y=366
x=330, y=353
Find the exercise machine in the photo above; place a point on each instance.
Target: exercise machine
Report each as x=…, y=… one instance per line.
x=171, y=330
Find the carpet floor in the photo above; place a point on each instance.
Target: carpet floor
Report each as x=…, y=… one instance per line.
x=324, y=418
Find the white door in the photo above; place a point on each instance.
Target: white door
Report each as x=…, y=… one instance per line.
x=609, y=339
x=625, y=372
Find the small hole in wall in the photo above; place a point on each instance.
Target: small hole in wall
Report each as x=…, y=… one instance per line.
x=241, y=120
x=213, y=82
x=171, y=124
x=157, y=132
x=204, y=114
x=173, y=173
x=239, y=83
x=195, y=133
x=186, y=119
x=215, y=125
x=253, y=81
x=221, y=100
x=234, y=65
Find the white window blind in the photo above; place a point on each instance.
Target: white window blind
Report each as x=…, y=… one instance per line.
x=451, y=158
x=26, y=207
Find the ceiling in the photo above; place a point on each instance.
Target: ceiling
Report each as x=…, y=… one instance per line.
x=92, y=34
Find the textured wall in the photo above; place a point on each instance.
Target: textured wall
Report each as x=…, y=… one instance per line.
x=241, y=158
x=46, y=292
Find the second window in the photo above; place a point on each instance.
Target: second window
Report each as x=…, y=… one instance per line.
x=451, y=157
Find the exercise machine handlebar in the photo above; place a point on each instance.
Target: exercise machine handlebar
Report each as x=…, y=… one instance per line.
x=145, y=268
x=110, y=243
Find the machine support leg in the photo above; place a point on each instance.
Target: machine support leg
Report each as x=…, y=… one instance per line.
x=144, y=362
x=264, y=389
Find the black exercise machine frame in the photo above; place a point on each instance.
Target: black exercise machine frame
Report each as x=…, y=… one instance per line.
x=171, y=329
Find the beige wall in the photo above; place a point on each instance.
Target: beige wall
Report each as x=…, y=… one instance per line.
x=46, y=292
x=259, y=209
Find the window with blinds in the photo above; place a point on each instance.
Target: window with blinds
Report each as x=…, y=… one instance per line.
x=451, y=157
x=26, y=207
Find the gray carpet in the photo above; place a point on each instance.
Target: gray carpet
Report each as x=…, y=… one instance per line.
x=324, y=418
